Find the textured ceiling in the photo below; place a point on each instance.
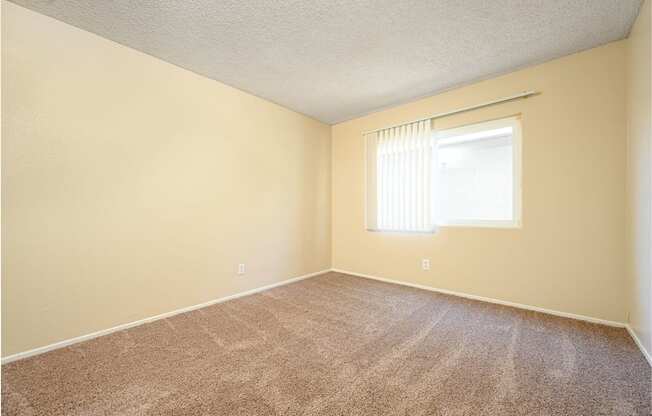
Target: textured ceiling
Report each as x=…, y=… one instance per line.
x=337, y=59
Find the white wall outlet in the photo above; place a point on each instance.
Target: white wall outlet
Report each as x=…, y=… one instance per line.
x=241, y=268
x=425, y=264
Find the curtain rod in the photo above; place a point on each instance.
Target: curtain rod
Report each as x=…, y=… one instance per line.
x=524, y=94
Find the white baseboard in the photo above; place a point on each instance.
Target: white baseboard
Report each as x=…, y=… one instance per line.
x=67, y=342
x=638, y=342
x=490, y=300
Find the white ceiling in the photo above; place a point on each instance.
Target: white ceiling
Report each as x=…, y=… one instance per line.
x=338, y=59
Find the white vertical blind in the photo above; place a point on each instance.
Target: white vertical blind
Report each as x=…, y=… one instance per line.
x=400, y=178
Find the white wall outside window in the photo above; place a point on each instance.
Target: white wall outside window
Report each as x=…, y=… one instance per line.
x=479, y=174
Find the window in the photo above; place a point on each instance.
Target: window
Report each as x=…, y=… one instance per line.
x=479, y=174
x=418, y=179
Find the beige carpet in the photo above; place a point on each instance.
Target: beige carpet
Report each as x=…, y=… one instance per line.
x=340, y=345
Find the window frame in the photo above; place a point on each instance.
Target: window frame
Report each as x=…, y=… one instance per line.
x=515, y=123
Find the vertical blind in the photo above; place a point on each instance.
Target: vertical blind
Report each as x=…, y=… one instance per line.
x=401, y=178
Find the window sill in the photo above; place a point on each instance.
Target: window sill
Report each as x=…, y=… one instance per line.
x=457, y=224
x=482, y=224
x=376, y=230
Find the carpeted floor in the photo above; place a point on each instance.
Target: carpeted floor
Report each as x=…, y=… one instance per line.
x=340, y=345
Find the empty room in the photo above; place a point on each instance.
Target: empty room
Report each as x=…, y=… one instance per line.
x=273, y=207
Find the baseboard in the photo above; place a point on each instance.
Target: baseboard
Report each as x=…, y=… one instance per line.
x=65, y=343
x=638, y=342
x=490, y=300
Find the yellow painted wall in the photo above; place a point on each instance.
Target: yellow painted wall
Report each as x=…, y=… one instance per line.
x=570, y=253
x=639, y=186
x=132, y=187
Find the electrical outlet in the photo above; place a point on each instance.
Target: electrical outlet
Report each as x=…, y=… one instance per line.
x=241, y=268
x=425, y=264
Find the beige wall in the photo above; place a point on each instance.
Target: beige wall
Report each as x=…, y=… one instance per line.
x=132, y=187
x=570, y=253
x=639, y=185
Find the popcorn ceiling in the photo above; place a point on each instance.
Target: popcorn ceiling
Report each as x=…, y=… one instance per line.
x=335, y=60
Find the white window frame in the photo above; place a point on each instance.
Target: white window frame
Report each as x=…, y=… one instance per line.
x=515, y=124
